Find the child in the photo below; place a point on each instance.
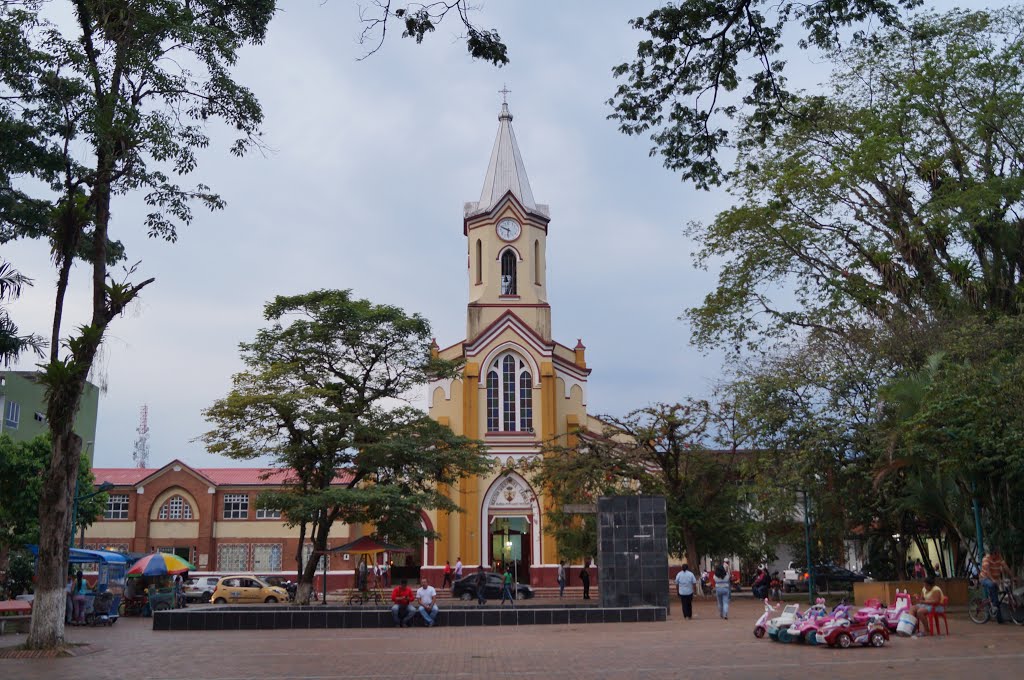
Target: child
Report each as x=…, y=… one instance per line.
x=776, y=587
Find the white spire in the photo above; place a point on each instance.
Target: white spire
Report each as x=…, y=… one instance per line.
x=505, y=172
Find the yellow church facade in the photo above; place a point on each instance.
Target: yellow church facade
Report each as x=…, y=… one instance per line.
x=519, y=388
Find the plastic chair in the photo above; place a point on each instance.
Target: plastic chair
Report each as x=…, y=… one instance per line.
x=938, y=612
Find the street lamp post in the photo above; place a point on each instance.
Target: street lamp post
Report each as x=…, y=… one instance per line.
x=105, y=486
x=807, y=543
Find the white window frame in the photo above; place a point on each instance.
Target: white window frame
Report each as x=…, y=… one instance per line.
x=231, y=550
x=497, y=401
x=12, y=415
x=267, y=513
x=183, y=511
x=274, y=557
x=117, y=506
x=307, y=552
x=236, y=506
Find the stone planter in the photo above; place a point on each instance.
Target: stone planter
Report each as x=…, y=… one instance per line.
x=955, y=589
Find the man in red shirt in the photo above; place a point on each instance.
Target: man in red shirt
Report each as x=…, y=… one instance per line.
x=401, y=596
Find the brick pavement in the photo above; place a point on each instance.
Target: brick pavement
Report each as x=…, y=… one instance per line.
x=706, y=647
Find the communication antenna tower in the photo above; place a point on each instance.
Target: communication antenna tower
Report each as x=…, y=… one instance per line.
x=141, y=452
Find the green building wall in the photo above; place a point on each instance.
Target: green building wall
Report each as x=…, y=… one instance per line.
x=17, y=387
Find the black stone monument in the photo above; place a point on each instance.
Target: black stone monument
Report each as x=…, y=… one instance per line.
x=632, y=545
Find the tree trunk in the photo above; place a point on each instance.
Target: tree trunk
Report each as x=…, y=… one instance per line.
x=55, y=501
x=321, y=528
x=690, y=539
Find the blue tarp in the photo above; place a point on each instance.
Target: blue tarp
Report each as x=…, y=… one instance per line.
x=80, y=556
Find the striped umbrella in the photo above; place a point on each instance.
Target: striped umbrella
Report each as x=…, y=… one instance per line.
x=160, y=564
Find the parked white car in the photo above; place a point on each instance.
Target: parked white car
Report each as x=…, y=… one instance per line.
x=200, y=588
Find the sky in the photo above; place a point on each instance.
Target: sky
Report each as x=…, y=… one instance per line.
x=368, y=165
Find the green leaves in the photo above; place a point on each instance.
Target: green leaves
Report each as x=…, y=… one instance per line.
x=22, y=467
x=664, y=449
x=321, y=395
x=418, y=20
x=706, y=60
x=892, y=200
x=11, y=343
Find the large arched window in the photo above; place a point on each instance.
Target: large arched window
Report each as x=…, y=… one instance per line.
x=175, y=507
x=509, y=395
x=508, y=272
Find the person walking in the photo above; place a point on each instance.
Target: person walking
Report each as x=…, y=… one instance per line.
x=458, y=568
x=506, y=588
x=723, y=577
x=447, y=581
x=481, y=585
x=585, y=578
x=561, y=578
x=686, y=582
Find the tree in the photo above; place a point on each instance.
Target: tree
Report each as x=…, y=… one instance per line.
x=22, y=468
x=680, y=85
x=114, y=101
x=12, y=344
x=957, y=432
x=319, y=396
x=689, y=452
x=896, y=199
x=812, y=411
x=419, y=19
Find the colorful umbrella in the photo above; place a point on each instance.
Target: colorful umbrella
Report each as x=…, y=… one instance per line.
x=160, y=564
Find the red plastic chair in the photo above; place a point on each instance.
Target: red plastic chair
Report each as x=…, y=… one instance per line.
x=938, y=612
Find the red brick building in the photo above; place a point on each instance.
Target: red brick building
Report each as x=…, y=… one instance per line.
x=209, y=516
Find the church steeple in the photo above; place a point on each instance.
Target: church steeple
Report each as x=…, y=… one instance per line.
x=506, y=172
x=507, y=232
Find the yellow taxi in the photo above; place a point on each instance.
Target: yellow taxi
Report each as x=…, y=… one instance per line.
x=244, y=588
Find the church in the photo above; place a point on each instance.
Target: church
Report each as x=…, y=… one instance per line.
x=519, y=388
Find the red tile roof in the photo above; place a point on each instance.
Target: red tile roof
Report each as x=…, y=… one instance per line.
x=219, y=476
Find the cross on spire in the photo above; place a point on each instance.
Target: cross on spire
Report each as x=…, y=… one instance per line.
x=504, y=92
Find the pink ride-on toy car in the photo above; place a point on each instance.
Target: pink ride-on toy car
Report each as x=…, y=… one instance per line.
x=890, y=614
x=762, y=623
x=844, y=634
x=807, y=630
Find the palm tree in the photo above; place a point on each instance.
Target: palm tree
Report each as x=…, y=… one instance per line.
x=11, y=344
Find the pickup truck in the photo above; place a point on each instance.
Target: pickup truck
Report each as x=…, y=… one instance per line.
x=826, y=576
x=792, y=577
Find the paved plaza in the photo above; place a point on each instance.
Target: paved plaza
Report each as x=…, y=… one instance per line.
x=705, y=647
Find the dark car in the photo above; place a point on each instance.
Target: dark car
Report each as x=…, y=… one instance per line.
x=830, y=577
x=465, y=588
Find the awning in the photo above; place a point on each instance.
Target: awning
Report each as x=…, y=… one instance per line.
x=81, y=556
x=369, y=545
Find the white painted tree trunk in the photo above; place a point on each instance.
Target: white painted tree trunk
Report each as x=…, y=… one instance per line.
x=55, y=508
x=303, y=592
x=48, y=612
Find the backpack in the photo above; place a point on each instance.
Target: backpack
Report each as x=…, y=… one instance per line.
x=719, y=572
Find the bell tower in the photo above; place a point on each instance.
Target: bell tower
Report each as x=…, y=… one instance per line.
x=506, y=239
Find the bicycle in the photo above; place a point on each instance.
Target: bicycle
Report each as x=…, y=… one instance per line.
x=981, y=609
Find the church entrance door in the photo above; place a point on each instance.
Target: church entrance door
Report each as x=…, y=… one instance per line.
x=510, y=544
x=510, y=525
